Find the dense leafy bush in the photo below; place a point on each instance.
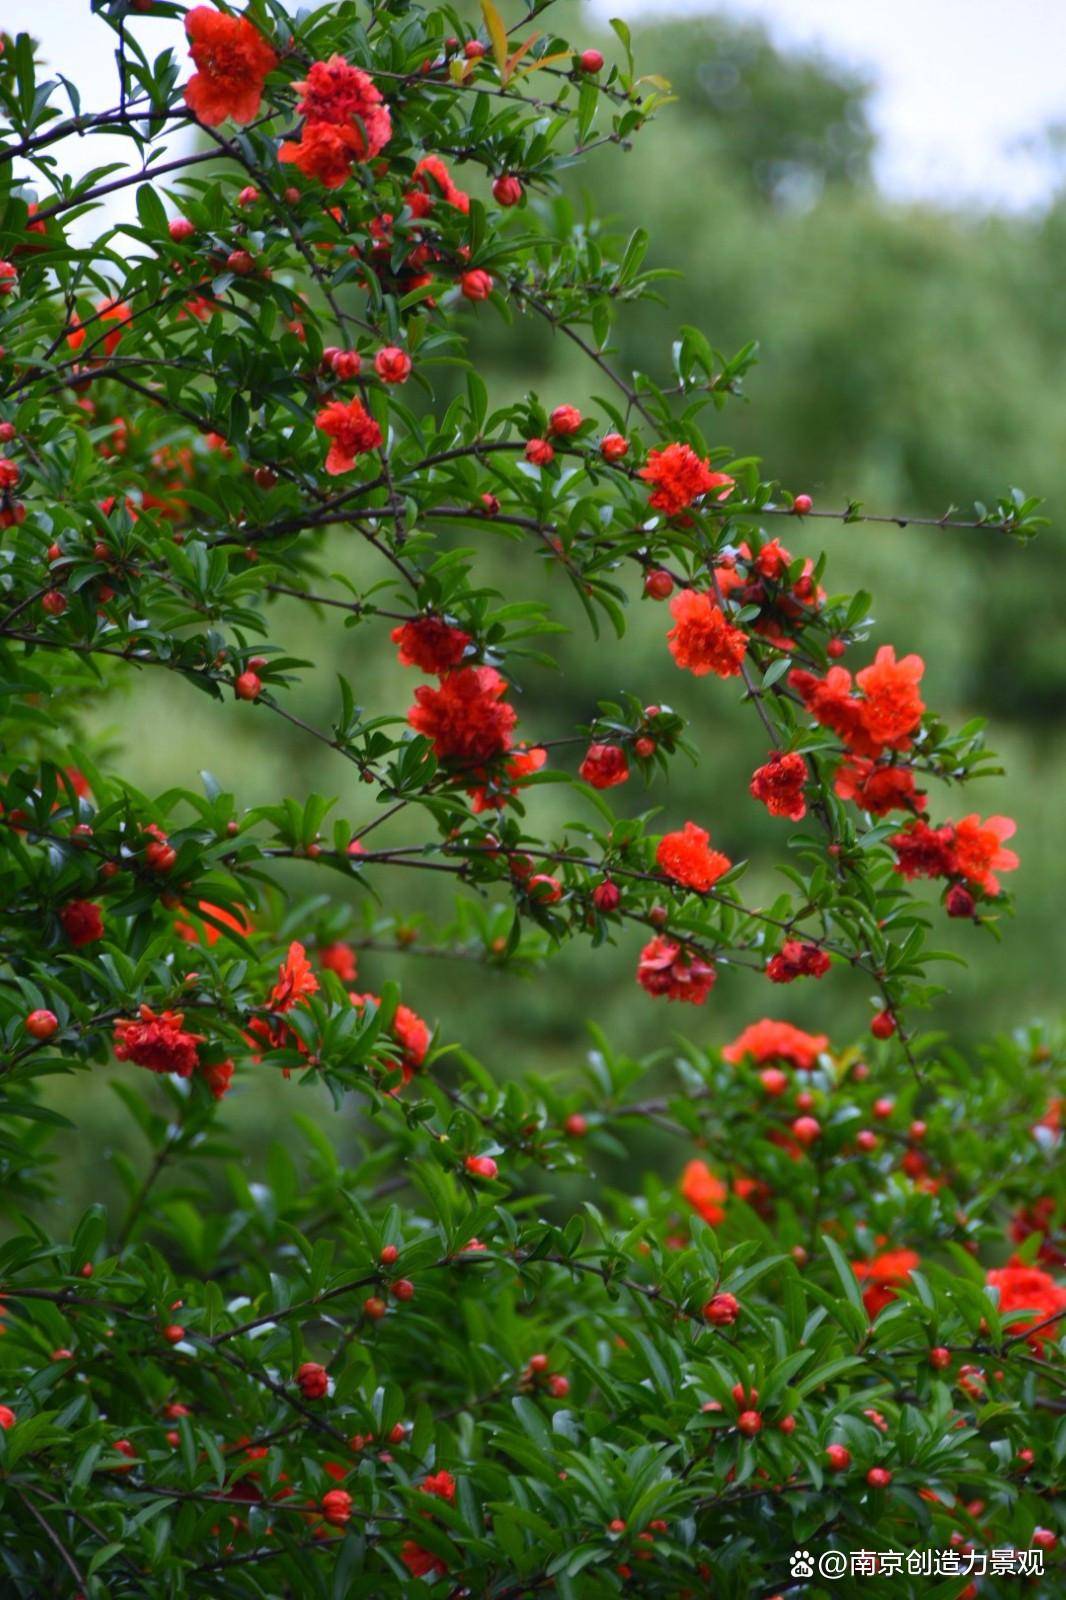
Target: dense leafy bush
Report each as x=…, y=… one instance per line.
x=462, y=1360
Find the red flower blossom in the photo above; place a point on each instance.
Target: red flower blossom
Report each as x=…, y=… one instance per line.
x=237, y=921
x=1029, y=1289
x=881, y=1274
x=685, y=857
x=665, y=970
x=701, y=639
x=780, y=785
x=680, y=477
x=323, y=152
x=797, y=960
x=296, y=980
x=466, y=718
x=353, y=430
x=407, y=1030
x=420, y=1562
x=430, y=644
x=82, y=922
x=339, y=958
x=892, y=707
x=442, y=1484
x=776, y=1041
x=833, y=705
x=232, y=60
x=342, y=96
x=979, y=850
x=495, y=793
x=704, y=1191
x=877, y=789
x=604, y=766
x=432, y=178
x=107, y=311
x=159, y=1043
x=1039, y=1217
x=924, y=852
x=218, y=1075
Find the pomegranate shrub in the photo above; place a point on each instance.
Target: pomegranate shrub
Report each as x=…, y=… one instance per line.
x=832, y=1323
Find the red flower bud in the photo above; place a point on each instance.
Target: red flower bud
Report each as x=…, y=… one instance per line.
x=337, y=1507
x=481, y=1167
x=507, y=190
x=248, y=686
x=959, y=902
x=722, y=1311
x=476, y=284
x=539, y=453
x=658, y=585
x=606, y=896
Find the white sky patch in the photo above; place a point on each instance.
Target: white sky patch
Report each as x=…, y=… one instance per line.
x=963, y=87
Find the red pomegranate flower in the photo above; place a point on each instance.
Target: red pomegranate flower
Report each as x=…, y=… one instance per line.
x=432, y=179
x=442, y=1484
x=353, y=430
x=296, y=980
x=980, y=852
x=497, y=792
x=406, y=1030
x=1029, y=1289
x=665, y=970
x=892, y=707
x=339, y=957
x=430, y=644
x=420, y=1562
x=882, y=1275
x=232, y=60
x=159, y=1043
x=82, y=922
x=704, y=1191
x=701, y=639
x=323, y=152
x=769, y=1040
x=780, y=785
x=680, y=477
x=797, y=960
x=685, y=856
x=924, y=852
x=877, y=789
x=218, y=1075
x=340, y=95
x=833, y=705
x=466, y=718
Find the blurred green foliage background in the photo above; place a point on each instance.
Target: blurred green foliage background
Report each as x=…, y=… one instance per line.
x=910, y=357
